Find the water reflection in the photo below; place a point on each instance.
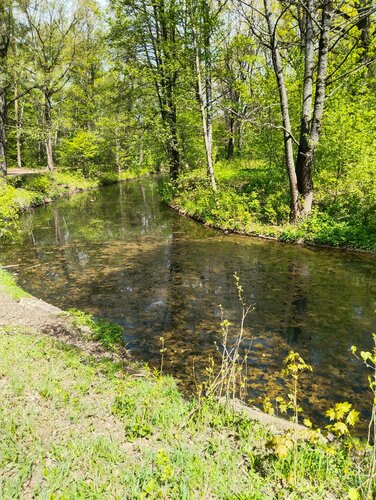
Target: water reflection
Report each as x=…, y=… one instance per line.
x=120, y=254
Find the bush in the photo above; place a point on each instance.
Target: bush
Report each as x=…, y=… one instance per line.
x=81, y=152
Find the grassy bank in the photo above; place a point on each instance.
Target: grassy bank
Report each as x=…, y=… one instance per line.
x=19, y=194
x=76, y=427
x=253, y=198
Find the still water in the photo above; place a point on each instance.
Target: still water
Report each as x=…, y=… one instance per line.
x=120, y=254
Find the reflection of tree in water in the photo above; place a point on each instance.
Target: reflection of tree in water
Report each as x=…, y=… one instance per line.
x=296, y=302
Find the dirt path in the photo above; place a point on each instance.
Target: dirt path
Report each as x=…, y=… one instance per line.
x=15, y=172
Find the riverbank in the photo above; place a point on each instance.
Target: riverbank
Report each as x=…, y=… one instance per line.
x=253, y=202
x=22, y=193
x=89, y=421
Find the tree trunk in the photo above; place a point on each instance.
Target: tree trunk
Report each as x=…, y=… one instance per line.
x=3, y=142
x=231, y=139
x=17, y=120
x=173, y=143
x=286, y=122
x=364, y=8
x=206, y=125
x=5, y=34
x=303, y=161
x=204, y=98
x=48, y=131
x=318, y=111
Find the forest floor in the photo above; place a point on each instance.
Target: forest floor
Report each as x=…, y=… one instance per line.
x=80, y=421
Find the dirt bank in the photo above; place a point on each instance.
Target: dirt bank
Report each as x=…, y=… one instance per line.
x=37, y=316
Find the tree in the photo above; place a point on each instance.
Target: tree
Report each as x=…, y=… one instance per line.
x=147, y=30
x=5, y=37
x=50, y=45
x=321, y=30
x=203, y=18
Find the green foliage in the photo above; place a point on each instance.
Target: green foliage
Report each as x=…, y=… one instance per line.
x=82, y=152
x=253, y=198
x=8, y=208
x=343, y=416
x=109, y=334
x=41, y=183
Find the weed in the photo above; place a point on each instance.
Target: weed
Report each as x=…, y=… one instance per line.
x=230, y=380
x=369, y=359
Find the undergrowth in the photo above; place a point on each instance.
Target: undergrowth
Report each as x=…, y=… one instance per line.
x=254, y=198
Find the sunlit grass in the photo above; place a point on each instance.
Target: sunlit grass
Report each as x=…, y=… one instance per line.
x=75, y=427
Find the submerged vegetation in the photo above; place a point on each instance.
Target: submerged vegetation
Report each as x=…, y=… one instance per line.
x=106, y=426
x=262, y=117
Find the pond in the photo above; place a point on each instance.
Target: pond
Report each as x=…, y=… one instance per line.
x=119, y=253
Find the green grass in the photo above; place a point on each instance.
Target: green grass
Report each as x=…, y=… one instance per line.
x=75, y=427
x=108, y=334
x=9, y=285
x=253, y=198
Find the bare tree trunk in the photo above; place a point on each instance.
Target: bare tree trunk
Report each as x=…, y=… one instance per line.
x=289, y=151
x=17, y=118
x=305, y=160
x=173, y=143
x=204, y=95
x=48, y=131
x=303, y=166
x=206, y=123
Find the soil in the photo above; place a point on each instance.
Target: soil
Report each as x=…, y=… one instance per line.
x=37, y=316
x=16, y=172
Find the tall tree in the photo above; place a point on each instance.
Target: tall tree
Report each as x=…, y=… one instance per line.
x=203, y=19
x=321, y=29
x=50, y=44
x=148, y=29
x=5, y=36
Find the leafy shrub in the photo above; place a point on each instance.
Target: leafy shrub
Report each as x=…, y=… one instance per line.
x=81, y=152
x=40, y=183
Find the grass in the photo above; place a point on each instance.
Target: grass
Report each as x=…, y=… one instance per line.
x=10, y=287
x=253, y=198
x=108, y=334
x=75, y=427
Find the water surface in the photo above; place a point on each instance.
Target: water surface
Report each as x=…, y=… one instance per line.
x=120, y=254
